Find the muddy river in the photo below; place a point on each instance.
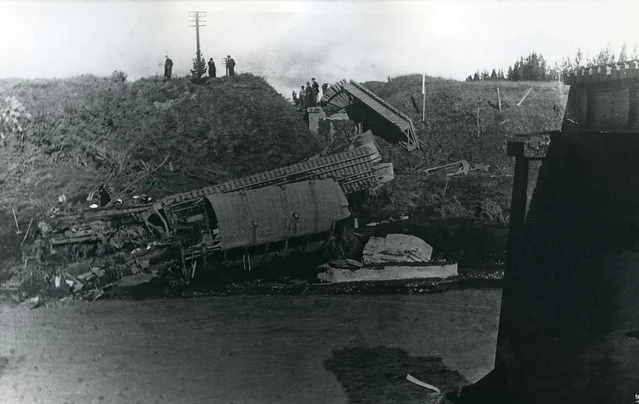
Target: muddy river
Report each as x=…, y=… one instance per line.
x=247, y=349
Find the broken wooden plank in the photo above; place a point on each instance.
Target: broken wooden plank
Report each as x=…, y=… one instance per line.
x=524, y=97
x=418, y=382
x=389, y=273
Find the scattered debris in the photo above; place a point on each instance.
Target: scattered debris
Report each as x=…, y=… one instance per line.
x=389, y=273
x=345, y=264
x=18, y=231
x=27, y=232
x=375, y=224
x=524, y=97
x=418, y=382
x=136, y=280
x=390, y=258
x=462, y=168
x=34, y=302
x=394, y=249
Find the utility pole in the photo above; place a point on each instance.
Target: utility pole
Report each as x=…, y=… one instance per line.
x=197, y=20
x=423, y=98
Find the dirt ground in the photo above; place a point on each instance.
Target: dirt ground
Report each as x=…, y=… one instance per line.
x=247, y=349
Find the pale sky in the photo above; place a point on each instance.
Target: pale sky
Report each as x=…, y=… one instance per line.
x=288, y=42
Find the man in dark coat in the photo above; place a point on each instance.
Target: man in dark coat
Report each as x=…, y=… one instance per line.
x=308, y=95
x=315, y=86
x=168, y=67
x=324, y=88
x=302, y=98
x=211, y=68
x=230, y=65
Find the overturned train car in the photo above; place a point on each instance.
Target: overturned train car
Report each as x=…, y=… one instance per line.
x=252, y=225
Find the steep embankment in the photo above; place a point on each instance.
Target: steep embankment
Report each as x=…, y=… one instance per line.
x=148, y=136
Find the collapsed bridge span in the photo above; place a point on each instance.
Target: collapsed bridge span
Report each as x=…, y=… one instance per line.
x=374, y=113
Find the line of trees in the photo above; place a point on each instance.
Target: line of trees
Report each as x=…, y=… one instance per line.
x=535, y=68
x=605, y=56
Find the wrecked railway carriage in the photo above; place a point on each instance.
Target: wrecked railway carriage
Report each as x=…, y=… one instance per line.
x=252, y=224
x=247, y=226
x=246, y=220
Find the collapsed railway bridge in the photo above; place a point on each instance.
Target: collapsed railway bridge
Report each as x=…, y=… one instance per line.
x=372, y=112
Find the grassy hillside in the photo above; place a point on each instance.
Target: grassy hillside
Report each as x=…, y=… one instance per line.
x=148, y=136
x=450, y=131
x=90, y=130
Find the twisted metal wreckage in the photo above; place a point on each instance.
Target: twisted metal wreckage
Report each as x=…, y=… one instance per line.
x=247, y=220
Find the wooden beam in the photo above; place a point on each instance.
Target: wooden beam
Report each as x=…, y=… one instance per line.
x=524, y=97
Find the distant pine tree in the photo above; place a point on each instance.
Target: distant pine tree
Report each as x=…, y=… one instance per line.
x=622, y=53
x=493, y=75
x=517, y=74
x=198, y=73
x=604, y=57
x=579, y=58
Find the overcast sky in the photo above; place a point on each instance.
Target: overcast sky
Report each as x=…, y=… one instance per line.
x=289, y=41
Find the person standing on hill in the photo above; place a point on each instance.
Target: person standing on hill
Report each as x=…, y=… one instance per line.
x=315, y=91
x=308, y=95
x=211, y=68
x=168, y=67
x=324, y=88
x=302, y=98
x=230, y=65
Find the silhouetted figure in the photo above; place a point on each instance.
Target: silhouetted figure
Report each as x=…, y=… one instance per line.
x=303, y=98
x=230, y=65
x=324, y=88
x=315, y=86
x=295, y=100
x=211, y=68
x=168, y=67
x=105, y=198
x=308, y=95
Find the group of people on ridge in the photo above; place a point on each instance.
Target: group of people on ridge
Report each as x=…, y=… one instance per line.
x=309, y=95
x=228, y=61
